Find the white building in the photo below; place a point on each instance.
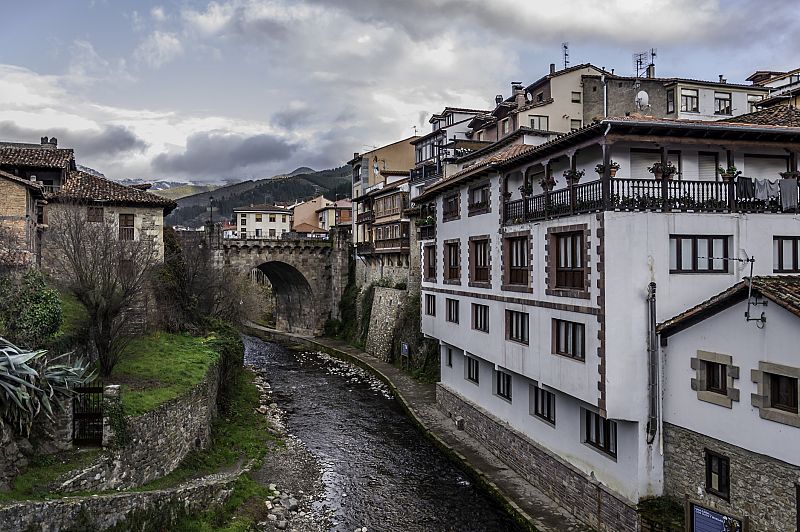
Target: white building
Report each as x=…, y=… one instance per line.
x=540, y=302
x=731, y=420
x=262, y=221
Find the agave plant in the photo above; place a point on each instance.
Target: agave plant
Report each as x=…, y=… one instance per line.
x=29, y=382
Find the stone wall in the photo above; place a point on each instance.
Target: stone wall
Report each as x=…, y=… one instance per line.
x=158, y=441
x=149, y=510
x=386, y=306
x=584, y=497
x=761, y=488
x=392, y=267
x=12, y=459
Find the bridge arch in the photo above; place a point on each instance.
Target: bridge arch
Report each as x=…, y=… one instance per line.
x=295, y=307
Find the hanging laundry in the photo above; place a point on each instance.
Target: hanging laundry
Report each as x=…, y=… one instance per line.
x=788, y=189
x=745, y=188
x=773, y=188
x=761, y=189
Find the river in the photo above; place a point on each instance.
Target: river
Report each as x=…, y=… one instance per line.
x=379, y=471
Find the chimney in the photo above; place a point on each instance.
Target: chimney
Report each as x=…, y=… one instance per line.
x=518, y=91
x=49, y=144
x=651, y=71
x=722, y=79
x=552, y=68
x=498, y=99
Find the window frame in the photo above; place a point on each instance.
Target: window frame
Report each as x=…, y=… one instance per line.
x=480, y=261
x=687, y=98
x=695, y=254
x=503, y=385
x=780, y=255
x=517, y=272
x=725, y=97
x=716, y=377
x=472, y=370
x=452, y=310
x=481, y=206
x=452, y=262
x=774, y=381
x=724, y=466
x=604, y=436
x=430, y=305
x=518, y=327
x=566, y=275
x=480, y=317
x=574, y=98
x=539, y=119
x=125, y=229
x=451, y=207
x=544, y=404
x=577, y=341
x=670, y=101
x=449, y=355
x=429, y=258
x=95, y=214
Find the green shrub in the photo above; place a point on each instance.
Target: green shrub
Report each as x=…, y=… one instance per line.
x=32, y=310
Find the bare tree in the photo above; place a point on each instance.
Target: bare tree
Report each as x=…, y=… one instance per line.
x=13, y=254
x=105, y=273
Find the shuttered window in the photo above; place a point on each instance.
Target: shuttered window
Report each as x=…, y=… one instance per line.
x=707, y=164
x=765, y=167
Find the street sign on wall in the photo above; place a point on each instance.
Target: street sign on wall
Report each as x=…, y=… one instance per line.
x=705, y=520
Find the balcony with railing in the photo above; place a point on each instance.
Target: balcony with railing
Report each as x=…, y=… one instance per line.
x=626, y=194
x=427, y=172
x=392, y=244
x=427, y=232
x=365, y=217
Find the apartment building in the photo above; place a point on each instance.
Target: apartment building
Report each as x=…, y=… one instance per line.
x=542, y=302
x=262, y=221
x=783, y=87
x=338, y=213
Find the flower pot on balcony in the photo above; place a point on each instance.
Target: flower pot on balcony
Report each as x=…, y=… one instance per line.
x=663, y=171
x=547, y=184
x=728, y=174
x=600, y=169
x=526, y=190
x=573, y=176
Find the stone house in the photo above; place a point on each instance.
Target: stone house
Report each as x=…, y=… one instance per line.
x=731, y=425
x=540, y=302
x=45, y=163
x=21, y=204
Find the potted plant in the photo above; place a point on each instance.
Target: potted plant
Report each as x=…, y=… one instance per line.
x=427, y=221
x=547, y=184
x=613, y=167
x=526, y=189
x=660, y=170
x=573, y=176
x=793, y=174
x=728, y=174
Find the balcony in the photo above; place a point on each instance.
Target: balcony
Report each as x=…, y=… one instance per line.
x=625, y=194
x=365, y=217
x=392, y=244
x=425, y=173
x=427, y=232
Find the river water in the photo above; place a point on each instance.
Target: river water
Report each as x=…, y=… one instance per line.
x=378, y=469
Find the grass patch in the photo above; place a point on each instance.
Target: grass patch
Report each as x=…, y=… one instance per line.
x=34, y=483
x=157, y=368
x=246, y=492
x=73, y=315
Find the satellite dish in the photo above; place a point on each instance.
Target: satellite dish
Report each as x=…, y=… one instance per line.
x=642, y=99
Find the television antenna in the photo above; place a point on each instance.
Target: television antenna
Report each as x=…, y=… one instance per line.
x=415, y=130
x=761, y=320
x=565, y=52
x=639, y=62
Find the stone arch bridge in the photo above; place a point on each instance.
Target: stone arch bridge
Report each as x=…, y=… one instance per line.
x=308, y=276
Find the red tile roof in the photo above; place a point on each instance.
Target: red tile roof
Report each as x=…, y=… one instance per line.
x=307, y=228
x=263, y=207
x=778, y=115
x=41, y=157
x=80, y=186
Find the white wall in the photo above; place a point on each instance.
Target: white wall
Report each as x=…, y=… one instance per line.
x=728, y=333
x=282, y=223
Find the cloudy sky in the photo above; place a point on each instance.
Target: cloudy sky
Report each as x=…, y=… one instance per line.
x=198, y=90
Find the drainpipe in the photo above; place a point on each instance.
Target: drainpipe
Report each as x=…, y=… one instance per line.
x=604, y=81
x=652, y=365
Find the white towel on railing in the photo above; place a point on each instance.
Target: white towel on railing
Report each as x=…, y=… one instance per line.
x=788, y=194
x=766, y=189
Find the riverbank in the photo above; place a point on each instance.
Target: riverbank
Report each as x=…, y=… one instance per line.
x=527, y=504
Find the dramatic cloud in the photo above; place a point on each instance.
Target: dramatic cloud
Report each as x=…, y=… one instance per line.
x=107, y=142
x=223, y=154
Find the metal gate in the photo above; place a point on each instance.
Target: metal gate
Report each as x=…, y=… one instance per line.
x=87, y=415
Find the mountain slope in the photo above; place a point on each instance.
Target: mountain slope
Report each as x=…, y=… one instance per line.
x=192, y=210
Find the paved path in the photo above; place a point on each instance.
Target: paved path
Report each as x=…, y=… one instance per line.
x=419, y=399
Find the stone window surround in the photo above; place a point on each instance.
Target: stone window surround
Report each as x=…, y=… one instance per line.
x=699, y=382
x=761, y=399
x=425, y=257
x=505, y=264
x=550, y=261
x=455, y=216
x=471, y=261
x=445, y=247
x=474, y=211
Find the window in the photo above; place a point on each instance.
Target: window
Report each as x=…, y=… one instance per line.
x=718, y=475
x=430, y=263
x=473, y=370
x=243, y=219
x=698, y=254
x=575, y=125
x=126, y=231
x=752, y=101
x=450, y=207
x=600, y=433
x=784, y=254
x=272, y=233
x=517, y=326
x=539, y=96
x=480, y=135
x=258, y=217
x=722, y=103
x=452, y=310
x=540, y=122
x=689, y=101
x=258, y=233
x=283, y=219
x=272, y=218
x=503, y=384
x=716, y=377
x=449, y=359
x=518, y=260
x=783, y=392
x=478, y=200
x=670, y=101
x=479, y=258
x=569, y=339
x=480, y=317
x=94, y=214
x=452, y=258
x=506, y=124
x=576, y=97
x=430, y=305
x=544, y=404
x=569, y=263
